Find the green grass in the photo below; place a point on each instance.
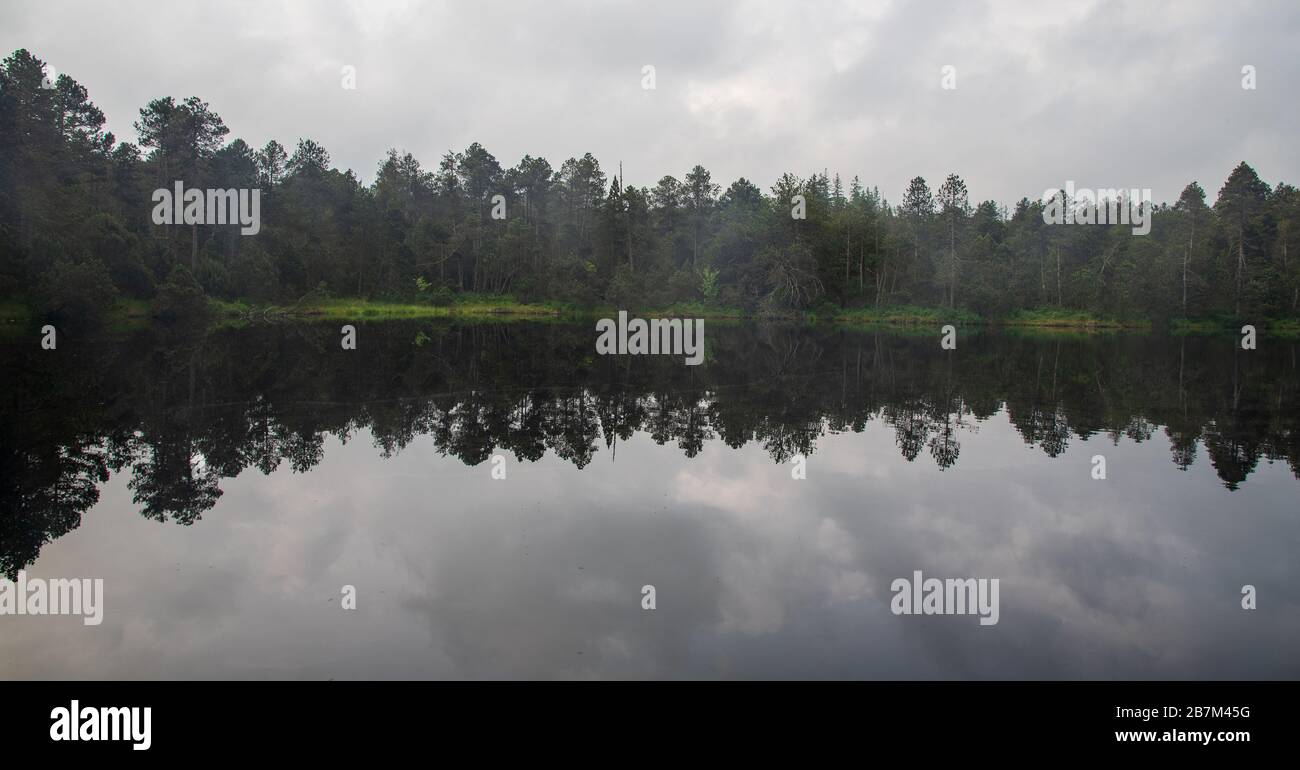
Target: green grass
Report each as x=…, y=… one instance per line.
x=128, y=314
x=15, y=319
x=1045, y=320
x=696, y=310
x=17, y=313
x=1284, y=327
x=1280, y=327
x=1069, y=319
x=15, y=310
x=350, y=308
x=504, y=307
x=1213, y=325
x=906, y=315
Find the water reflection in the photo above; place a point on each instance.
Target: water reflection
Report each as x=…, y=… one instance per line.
x=180, y=413
x=917, y=461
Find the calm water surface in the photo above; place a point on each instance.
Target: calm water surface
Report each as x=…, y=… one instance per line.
x=227, y=484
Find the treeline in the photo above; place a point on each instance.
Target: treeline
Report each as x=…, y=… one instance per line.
x=76, y=231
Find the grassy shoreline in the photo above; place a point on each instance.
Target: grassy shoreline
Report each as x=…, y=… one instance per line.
x=351, y=308
x=134, y=313
x=505, y=307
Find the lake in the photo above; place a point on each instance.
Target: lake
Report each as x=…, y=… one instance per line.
x=497, y=495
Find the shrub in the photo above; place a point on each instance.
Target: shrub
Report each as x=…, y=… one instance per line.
x=80, y=292
x=180, y=296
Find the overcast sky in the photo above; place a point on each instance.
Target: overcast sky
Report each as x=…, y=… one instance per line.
x=1107, y=94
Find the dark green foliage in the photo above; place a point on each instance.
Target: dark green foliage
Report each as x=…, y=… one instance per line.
x=77, y=291
x=70, y=193
x=179, y=297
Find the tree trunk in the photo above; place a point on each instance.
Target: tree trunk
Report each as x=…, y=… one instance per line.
x=1058, y=277
x=695, y=253
x=1191, y=231
x=1042, y=279
x=1241, y=259
x=952, y=258
x=860, y=285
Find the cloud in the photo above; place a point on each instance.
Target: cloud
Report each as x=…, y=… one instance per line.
x=1105, y=93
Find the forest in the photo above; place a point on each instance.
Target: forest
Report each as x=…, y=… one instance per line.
x=76, y=235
